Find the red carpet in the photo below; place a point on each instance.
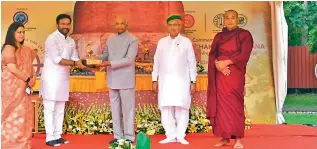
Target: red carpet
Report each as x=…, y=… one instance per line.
x=259, y=137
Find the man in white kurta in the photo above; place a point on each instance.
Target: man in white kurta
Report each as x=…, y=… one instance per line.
x=174, y=76
x=60, y=54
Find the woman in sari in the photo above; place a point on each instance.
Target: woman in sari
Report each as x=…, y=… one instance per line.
x=17, y=74
x=228, y=58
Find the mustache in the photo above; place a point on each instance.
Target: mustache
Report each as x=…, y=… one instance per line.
x=64, y=31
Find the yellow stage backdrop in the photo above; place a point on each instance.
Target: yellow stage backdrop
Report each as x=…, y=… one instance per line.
x=202, y=21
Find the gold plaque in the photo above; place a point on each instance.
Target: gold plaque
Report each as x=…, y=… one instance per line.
x=91, y=62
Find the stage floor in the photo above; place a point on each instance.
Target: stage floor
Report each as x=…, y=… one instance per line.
x=259, y=137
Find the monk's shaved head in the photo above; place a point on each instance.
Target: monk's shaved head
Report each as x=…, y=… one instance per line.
x=231, y=19
x=233, y=11
x=121, y=24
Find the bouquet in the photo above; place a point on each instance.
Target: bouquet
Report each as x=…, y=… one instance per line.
x=122, y=144
x=74, y=69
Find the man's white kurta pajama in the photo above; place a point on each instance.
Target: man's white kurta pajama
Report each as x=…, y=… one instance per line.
x=54, y=87
x=174, y=68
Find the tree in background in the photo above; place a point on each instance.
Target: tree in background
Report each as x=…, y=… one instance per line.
x=301, y=17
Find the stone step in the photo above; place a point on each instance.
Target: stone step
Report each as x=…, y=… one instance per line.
x=300, y=109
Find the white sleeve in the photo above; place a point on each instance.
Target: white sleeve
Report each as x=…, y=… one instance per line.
x=155, y=71
x=52, y=50
x=191, y=59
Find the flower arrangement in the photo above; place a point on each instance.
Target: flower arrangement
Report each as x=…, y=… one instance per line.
x=198, y=121
x=96, y=119
x=138, y=69
x=122, y=144
x=41, y=123
x=200, y=68
x=248, y=123
x=148, y=119
x=74, y=69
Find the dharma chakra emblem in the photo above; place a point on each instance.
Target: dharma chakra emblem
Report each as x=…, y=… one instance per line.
x=20, y=17
x=219, y=18
x=242, y=20
x=189, y=21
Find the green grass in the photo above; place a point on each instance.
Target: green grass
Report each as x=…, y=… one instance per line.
x=301, y=100
x=301, y=118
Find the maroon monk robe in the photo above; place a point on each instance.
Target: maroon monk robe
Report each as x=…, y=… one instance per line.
x=225, y=94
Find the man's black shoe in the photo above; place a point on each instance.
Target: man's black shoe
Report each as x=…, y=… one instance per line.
x=130, y=141
x=53, y=143
x=113, y=141
x=61, y=140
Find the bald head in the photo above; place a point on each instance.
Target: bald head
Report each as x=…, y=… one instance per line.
x=231, y=19
x=121, y=24
x=121, y=19
x=231, y=11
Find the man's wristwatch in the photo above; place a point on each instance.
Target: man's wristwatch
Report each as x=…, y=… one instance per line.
x=193, y=82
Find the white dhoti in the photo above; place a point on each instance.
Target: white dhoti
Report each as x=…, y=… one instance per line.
x=53, y=118
x=174, y=69
x=175, y=121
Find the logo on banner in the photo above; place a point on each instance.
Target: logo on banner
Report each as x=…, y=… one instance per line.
x=38, y=65
x=219, y=18
x=242, y=20
x=189, y=21
x=20, y=17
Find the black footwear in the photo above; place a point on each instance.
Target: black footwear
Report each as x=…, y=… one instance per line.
x=130, y=141
x=53, y=143
x=61, y=140
x=113, y=141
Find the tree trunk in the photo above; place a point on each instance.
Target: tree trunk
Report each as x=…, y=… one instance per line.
x=304, y=37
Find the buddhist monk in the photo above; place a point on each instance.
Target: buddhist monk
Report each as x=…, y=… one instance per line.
x=228, y=58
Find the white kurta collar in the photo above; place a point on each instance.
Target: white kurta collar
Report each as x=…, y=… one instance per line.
x=177, y=37
x=60, y=34
x=176, y=40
